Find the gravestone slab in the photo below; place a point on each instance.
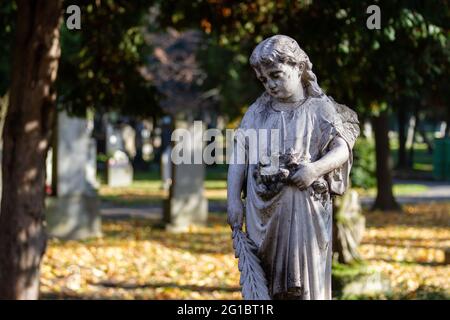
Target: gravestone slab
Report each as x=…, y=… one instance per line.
x=120, y=171
x=74, y=213
x=114, y=140
x=186, y=204
x=166, y=169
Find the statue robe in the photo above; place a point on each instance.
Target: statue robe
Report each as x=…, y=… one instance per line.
x=293, y=229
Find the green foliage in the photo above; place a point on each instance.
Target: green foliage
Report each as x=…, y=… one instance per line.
x=363, y=171
x=367, y=69
x=99, y=66
x=234, y=82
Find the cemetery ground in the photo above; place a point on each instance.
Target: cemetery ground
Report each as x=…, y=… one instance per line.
x=136, y=259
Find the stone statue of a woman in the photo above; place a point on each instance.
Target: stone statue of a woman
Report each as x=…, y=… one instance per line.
x=288, y=210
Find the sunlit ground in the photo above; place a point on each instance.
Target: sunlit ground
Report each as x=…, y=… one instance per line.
x=136, y=260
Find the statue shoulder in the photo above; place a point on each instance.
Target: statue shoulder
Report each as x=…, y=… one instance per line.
x=254, y=111
x=260, y=103
x=323, y=106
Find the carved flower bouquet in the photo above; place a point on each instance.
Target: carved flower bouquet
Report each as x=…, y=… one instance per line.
x=273, y=173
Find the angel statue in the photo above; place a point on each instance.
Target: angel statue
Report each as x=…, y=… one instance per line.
x=285, y=249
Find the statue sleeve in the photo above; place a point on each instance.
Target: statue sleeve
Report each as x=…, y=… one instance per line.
x=337, y=120
x=241, y=147
x=240, y=137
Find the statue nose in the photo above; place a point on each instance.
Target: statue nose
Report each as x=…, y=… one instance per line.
x=272, y=85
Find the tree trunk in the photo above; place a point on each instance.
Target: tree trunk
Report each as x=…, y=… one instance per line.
x=385, y=199
x=26, y=138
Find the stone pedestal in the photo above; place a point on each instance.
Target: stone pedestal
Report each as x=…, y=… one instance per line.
x=74, y=212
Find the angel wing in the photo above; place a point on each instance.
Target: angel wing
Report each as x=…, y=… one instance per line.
x=350, y=122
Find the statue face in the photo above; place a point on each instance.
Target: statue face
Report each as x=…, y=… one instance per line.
x=281, y=80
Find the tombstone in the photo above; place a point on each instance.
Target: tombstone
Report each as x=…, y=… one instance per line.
x=166, y=169
x=91, y=165
x=367, y=130
x=74, y=212
x=129, y=140
x=114, y=140
x=119, y=171
x=348, y=227
x=187, y=204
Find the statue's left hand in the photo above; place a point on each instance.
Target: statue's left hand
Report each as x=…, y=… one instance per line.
x=305, y=176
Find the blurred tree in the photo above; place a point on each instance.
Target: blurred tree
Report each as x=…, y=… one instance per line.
x=101, y=64
x=99, y=69
x=374, y=70
x=26, y=138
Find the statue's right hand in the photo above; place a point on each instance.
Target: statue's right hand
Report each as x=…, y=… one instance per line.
x=235, y=214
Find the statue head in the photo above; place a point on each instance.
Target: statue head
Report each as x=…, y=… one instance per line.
x=282, y=67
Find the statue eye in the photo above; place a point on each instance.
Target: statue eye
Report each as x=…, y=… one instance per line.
x=276, y=75
x=262, y=79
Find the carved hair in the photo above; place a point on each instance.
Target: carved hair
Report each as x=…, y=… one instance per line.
x=284, y=49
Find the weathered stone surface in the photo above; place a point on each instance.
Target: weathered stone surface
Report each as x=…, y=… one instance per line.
x=186, y=204
x=114, y=140
x=166, y=169
x=348, y=227
x=74, y=212
x=288, y=199
x=120, y=170
x=73, y=217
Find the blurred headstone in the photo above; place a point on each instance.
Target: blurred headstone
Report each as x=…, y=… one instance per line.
x=120, y=171
x=114, y=140
x=129, y=140
x=367, y=130
x=143, y=140
x=442, y=130
x=74, y=212
x=349, y=226
x=187, y=204
x=166, y=168
x=410, y=133
x=91, y=169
